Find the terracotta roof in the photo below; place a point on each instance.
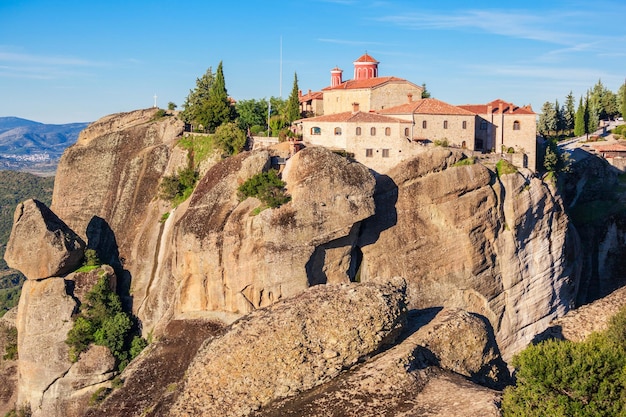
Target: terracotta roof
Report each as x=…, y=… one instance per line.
x=315, y=95
x=369, y=83
x=366, y=58
x=427, y=106
x=616, y=147
x=355, y=117
x=507, y=108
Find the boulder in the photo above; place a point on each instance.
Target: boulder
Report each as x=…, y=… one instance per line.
x=291, y=346
x=41, y=245
x=420, y=376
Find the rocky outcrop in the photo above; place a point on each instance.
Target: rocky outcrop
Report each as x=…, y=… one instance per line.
x=413, y=378
x=44, y=318
x=463, y=238
x=290, y=347
x=46, y=250
x=41, y=245
x=578, y=324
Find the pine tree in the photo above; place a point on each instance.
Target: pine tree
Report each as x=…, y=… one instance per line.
x=547, y=119
x=622, y=98
x=293, y=102
x=425, y=92
x=196, y=100
x=580, y=127
x=217, y=109
x=569, y=113
x=558, y=118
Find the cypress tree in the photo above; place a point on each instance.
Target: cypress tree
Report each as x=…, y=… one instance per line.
x=293, y=102
x=580, y=127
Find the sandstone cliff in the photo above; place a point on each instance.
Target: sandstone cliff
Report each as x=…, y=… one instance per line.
x=501, y=249
x=461, y=237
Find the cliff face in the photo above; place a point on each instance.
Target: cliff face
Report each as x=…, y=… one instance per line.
x=500, y=248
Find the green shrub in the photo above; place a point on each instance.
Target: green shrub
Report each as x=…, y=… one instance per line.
x=465, y=161
x=102, y=321
x=267, y=187
x=563, y=378
x=91, y=258
x=504, y=167
x=229, y=138
x=441, y=142
x=178, y=187
x=99, y=396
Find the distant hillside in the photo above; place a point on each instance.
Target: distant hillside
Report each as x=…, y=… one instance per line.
x=16, y=187
x=30, y=146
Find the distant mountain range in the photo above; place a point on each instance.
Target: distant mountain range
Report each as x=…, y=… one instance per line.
x=31, y=146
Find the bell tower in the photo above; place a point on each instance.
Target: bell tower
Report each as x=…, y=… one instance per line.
x=336, y=77
x=365, y=67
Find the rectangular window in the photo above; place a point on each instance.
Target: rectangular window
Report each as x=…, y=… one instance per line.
x=483, y=125
x=385, y=153
x=464, y=124
x=369, y=153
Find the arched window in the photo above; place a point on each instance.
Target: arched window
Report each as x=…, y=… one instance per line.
x=464, y=124
x=373, y=131
x=516, y=125
x=316, y=131
x=406, y=132
x=424, y=124
x=358, y=131
x=387, y=131
x=337, y=131
x=445, y=124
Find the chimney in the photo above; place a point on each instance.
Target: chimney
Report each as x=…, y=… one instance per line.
x=500, y=107
x=489, y=109
x=410, y=97
x=355, y=108
x=309, y=91
x=299, y=93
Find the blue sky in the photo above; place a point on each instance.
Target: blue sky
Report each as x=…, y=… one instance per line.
x=73, y=61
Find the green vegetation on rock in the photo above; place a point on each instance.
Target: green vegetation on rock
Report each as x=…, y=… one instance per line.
x=267, y=187
x=563, y=378
x=102, y=321
x=504, y=167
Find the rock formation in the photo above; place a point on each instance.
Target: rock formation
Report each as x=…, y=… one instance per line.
x=291, y=346
x=498, y=254
x=41, y=245
x=502, y=248
x=408, y=379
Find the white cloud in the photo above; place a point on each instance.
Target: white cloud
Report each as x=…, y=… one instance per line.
x=511, y=23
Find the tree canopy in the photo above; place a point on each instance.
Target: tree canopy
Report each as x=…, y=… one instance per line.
x=208, y=105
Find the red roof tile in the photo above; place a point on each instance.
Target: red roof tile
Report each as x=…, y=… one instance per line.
x=427, y=106
x=315, y=95
x=507, y=108
x=366, y=58
x=369, y=83
x=355, y=117
x=616, y=147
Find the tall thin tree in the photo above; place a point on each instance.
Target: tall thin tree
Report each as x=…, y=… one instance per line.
x=293, y=102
